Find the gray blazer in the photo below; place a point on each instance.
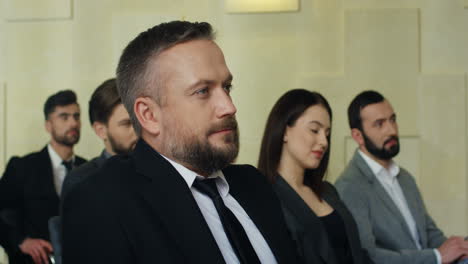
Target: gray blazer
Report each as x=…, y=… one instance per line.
x=307, y=229
x=382, y=228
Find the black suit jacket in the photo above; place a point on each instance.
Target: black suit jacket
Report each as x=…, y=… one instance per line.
x=308, y=231
x=82, y=172
x=27, y=188
x=138, y=209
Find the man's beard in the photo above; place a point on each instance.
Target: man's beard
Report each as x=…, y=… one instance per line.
x=200, y=155
x=66, y=140
x=382, y=153
x=119, y=148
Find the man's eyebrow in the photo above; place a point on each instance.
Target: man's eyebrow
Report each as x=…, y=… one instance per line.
x=208, y=82
x=228, y=79
x=124, y=121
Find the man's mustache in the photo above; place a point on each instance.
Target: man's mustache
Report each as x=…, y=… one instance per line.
x=390, y=139
x=227, y=124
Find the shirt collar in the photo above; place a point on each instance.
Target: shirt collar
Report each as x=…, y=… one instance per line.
x=189, y=176
x=55, y=158
x=378, y=169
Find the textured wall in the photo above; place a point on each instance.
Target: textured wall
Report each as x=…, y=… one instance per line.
x=414, y=52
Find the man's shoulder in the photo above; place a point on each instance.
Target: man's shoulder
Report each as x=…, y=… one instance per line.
x=33, y=156
x=351, y=173
x=80, y=160
x=243, y=171
x=101, y=181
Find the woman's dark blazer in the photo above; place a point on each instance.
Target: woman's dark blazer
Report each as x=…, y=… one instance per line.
x=308, y=231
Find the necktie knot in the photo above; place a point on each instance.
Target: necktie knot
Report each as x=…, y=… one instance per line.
x=68, y=165
x=208, y=187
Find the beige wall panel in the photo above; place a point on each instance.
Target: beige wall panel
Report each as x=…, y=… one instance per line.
x=43, y=9
x=381, y=53
x=382, y=4
x=268, y=54
x=3, y=42
x=381, y=41
x=312, y=39
x=444, y=40
x=443, y=178
x=2, y=127
x=39, y=64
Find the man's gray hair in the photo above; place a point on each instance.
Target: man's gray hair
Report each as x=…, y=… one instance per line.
x=132, y=70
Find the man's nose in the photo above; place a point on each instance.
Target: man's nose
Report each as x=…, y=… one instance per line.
x=224, y=105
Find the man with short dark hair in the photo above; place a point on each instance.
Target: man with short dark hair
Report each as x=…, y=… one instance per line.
x=30, y=187
x=384, y=199
x=111, y=123
x=176, y=198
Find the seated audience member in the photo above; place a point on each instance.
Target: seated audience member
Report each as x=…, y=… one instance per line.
x=111, y=123
x=30, y=187
x=393, y=222
x=294, y=157
x=176, y=198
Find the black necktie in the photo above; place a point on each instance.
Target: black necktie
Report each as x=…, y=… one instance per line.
x=233, y=228
x=68, y=165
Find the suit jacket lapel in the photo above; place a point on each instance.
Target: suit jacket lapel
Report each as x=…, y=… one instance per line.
x=416, y=211
x=306, y=217
x=46, y=173
x=252, y=200
x=380, y=191
x=172, y=201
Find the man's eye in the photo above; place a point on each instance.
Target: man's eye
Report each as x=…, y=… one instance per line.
x=202, y=91
x=228, y=88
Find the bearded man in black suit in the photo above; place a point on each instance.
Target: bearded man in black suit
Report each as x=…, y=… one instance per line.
x=30, y=187
x=176, y=198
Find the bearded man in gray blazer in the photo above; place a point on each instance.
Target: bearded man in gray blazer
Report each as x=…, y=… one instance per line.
x=384, y=199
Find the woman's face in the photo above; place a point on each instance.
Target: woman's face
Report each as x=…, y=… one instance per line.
x=305, y=143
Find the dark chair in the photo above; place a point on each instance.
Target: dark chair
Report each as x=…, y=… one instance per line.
x=55, y=231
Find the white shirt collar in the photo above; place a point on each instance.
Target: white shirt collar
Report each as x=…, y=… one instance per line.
x=189, y=176
x=54, y=157
x=378, y=169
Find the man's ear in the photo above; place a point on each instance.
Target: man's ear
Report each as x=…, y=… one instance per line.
x=356, y=134
x=48, y=126
x=100, y=129
x=148, y=113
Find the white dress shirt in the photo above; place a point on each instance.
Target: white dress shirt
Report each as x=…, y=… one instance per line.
x=388, y=179
x=58, y=169
x=264, y=253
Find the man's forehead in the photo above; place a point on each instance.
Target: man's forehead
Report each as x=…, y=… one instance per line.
x=377, y=111
x=67, y=109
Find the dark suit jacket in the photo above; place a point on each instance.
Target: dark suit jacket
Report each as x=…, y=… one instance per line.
x=27, y=188
x=138, y=209
x=82, y=172
x=308, y=231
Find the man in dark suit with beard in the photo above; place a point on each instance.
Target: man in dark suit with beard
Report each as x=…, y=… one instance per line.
x=176, y=198
x=30, y=187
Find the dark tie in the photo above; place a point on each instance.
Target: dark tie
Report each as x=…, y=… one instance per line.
x=233, y=228
x=68, y=165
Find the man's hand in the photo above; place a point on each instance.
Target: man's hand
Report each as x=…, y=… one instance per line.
x=452, y=249
x=38, y=249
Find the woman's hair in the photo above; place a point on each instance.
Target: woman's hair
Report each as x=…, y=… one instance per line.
x=285, y=112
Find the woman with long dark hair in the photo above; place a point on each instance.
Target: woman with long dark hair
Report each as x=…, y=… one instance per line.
x=294, y=157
